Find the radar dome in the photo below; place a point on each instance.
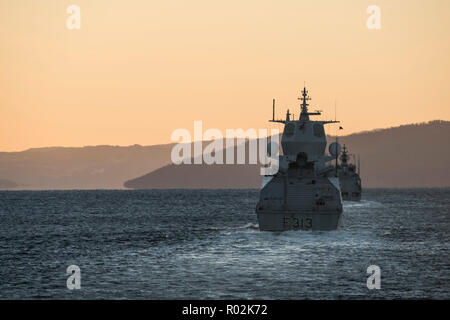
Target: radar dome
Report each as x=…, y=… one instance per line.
x=334, y=149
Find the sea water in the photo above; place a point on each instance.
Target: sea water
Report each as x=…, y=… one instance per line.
x=205, y=244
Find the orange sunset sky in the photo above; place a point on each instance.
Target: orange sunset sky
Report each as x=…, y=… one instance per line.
x=137, y=69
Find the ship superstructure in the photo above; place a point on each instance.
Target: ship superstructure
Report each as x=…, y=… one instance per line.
x=305, y=192
x=349, y=178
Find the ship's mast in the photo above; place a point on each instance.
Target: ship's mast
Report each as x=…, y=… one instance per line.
x=304, y=115
x=273, y=114
x=336, y=159
x=344, y=155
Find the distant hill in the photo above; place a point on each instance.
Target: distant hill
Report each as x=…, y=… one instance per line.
x=415, y=155
x=200, y=176
x=7, y=184
x=406, y=156
x=92, y=167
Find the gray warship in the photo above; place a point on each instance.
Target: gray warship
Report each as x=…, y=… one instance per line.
x=349, y=178
x=305, y=193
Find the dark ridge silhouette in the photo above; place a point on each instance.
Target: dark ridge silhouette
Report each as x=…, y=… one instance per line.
x=415, y=155
x=203, y=176
x=199, y=177
x=7, y=184
x=91, y=167
x=408, y=156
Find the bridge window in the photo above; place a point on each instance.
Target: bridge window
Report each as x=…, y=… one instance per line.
x=289, y=129
x=318, y=130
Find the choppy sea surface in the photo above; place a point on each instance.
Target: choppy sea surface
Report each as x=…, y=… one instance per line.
x=205, y=244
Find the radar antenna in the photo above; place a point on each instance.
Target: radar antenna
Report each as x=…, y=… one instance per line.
x=304, y=115
x=273, y=114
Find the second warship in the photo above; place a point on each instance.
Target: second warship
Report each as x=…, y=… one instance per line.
x=349, y=178
x=305, y=192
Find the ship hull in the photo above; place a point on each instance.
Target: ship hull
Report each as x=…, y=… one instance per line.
x=348, y=196
x=350, y=187
x=296, y=220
